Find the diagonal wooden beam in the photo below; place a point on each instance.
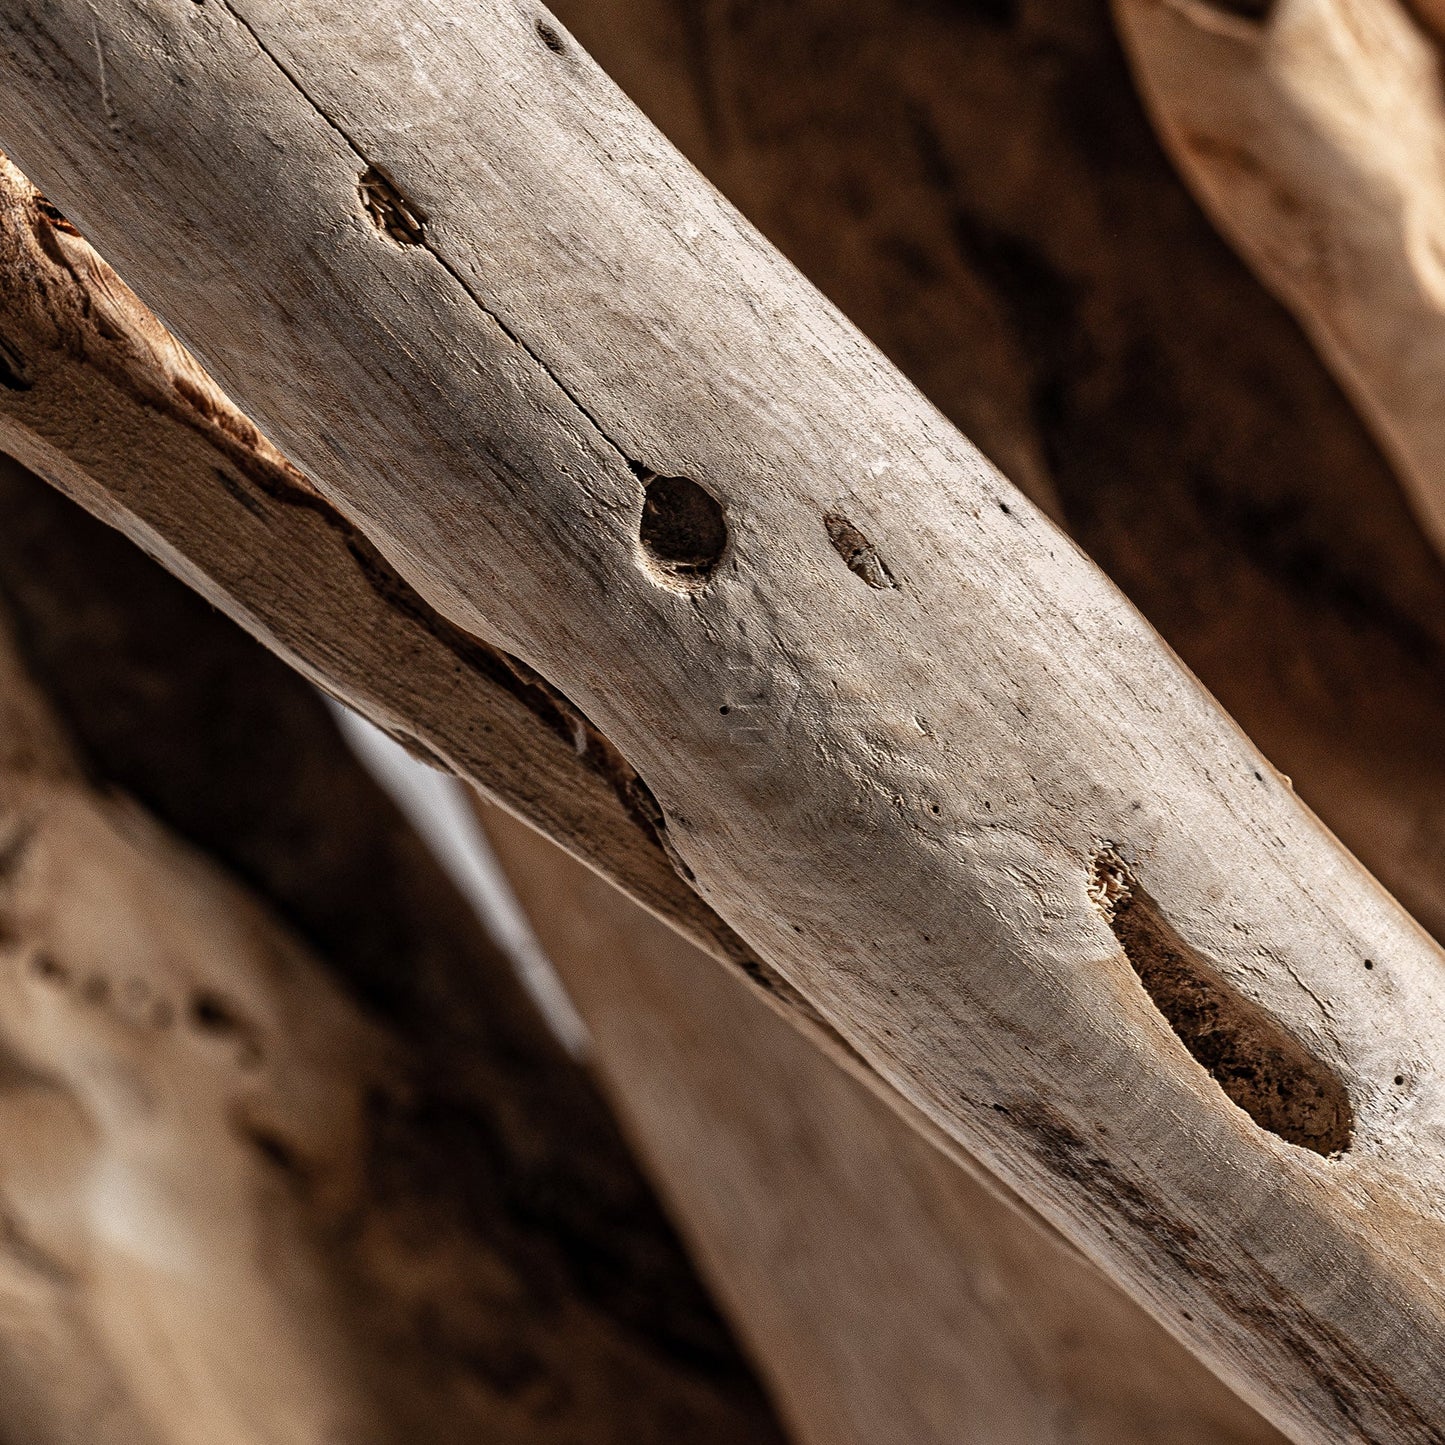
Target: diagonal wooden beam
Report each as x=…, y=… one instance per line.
x=112, y=415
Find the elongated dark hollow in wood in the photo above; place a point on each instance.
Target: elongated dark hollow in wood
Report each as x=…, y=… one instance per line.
x=388, y=208
x=1276, y=1081
x=857, y=552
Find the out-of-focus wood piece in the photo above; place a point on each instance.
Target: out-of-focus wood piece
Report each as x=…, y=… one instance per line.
x=1314, y=135
x=887, y=1296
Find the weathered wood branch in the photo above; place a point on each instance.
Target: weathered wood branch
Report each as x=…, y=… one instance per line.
x=259, y=1189
x=1313, y=134
x=158, y=458
x=1283, y=1267
x=764, y=162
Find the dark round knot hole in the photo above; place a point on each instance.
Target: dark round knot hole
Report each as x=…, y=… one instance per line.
x=683, y=533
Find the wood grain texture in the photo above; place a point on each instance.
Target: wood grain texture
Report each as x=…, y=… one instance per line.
x=288, y=1154
x=973, y=968
x=1313, y=135
x=889, y=1298
x=981, y=190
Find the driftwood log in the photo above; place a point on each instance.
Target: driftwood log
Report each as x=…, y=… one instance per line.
x=256, y=1188
x=1109, y=879
x=155, y=451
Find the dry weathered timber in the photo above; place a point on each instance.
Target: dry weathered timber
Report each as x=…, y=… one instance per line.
x=797, y=722
x=153, y=463
x=745, y=75
x=978, y=182
x=888, y=1298
x=1312, y=132
x=885, y=243
x=254, y=1190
